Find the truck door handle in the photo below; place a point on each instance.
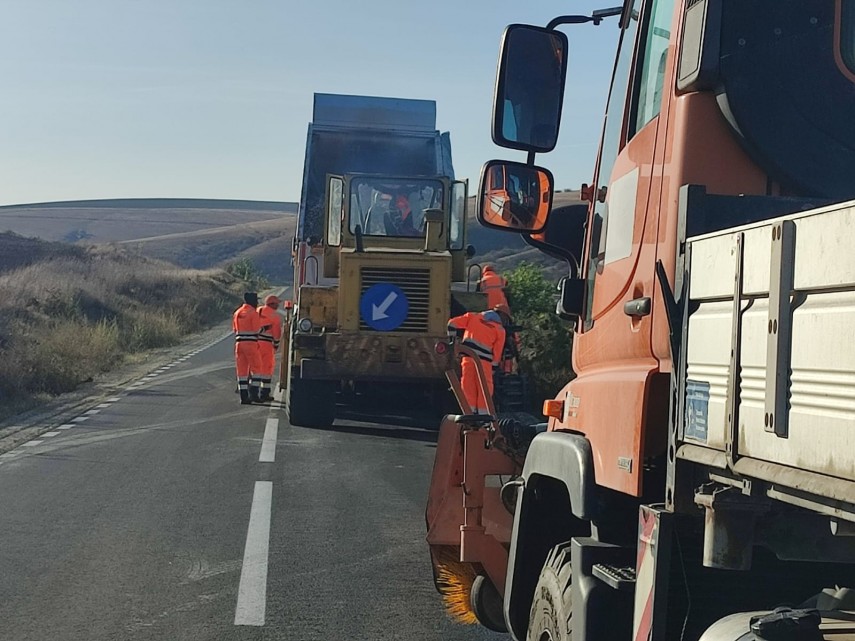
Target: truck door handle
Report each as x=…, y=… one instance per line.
x=637, y=307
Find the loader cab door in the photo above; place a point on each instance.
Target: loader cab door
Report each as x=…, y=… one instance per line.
x=616, y=338
x=333, y=223
x=457, y=228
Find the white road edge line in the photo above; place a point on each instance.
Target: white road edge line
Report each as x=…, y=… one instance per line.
x=252, y=590
x=268, y=443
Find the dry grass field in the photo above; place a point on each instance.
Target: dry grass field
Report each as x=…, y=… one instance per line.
x=68, y=313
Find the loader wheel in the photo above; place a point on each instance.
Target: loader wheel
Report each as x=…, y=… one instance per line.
x=551, y=616
x=311, y=403
x=487, y=604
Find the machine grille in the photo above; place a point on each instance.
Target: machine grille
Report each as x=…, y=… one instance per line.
x=415, y=283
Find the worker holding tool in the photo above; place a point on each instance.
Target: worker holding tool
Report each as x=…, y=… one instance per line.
x=483, y=334
x=268, y=344
x=511, y=349
x=246, y=324
x=493, y=285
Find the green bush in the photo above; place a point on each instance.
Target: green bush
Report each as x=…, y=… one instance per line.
x=546, y=339
x=246, y=270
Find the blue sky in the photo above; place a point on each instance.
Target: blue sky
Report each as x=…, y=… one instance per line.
x=210, y=98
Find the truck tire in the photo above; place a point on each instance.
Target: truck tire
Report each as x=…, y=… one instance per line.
x=551, y=616
x=487, y=604
x=310, y=403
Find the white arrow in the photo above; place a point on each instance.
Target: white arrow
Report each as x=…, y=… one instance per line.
x=378, y=312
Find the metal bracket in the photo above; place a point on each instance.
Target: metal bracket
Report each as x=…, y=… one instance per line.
x=734, y=379
x=779, y=330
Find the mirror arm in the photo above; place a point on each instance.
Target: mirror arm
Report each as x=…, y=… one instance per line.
x=529, y=160
x=596, y=18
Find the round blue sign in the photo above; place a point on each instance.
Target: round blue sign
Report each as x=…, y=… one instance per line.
x=384, y=307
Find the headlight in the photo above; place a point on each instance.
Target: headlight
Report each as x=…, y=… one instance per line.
x=304, y=325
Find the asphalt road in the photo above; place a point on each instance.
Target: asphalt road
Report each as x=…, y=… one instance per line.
x=170, y=512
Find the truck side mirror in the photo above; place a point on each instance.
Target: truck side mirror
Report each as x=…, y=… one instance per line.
x=514, y=196
x=529, y=89
x=564, y=235
x=470, y=251
x=571, y=298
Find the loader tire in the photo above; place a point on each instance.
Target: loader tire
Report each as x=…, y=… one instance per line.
x=310, y=403
x=551, y=615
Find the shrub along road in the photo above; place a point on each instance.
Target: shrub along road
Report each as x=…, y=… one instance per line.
x=170, y=512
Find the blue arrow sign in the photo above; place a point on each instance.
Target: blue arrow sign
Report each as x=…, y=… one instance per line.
x=384, y=307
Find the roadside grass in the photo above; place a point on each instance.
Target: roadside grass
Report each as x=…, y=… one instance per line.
x=69, y=316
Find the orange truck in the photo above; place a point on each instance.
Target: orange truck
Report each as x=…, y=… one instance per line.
x=699, y=470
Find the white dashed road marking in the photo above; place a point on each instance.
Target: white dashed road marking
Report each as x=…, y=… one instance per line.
x=32, y=443
x=268, y=443
x=49, y=434
x=252, y=590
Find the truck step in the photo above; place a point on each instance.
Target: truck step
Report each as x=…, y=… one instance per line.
x=615, y=577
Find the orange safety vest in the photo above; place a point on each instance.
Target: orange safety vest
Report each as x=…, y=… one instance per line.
x=246, y=323
x=494, y=285
x=485, y=338
x=272, y=334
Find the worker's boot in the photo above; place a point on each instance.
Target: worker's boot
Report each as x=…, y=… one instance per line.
x=253, y=394
x=244, y=397
x=266, y=397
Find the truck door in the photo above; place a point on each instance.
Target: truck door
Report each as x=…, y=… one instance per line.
x=614, y=356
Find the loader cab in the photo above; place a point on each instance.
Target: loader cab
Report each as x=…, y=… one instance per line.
x=371, y=213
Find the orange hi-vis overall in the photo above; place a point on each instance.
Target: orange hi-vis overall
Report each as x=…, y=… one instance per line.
x=268, y=345
x=494, y=286
x=487, y=339
x=246, y=324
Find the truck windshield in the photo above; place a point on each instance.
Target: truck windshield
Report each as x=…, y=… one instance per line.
x=392, y=208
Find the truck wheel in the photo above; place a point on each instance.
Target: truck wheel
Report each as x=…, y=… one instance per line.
x=487, y=604
x=551, y=613
x=310, y=403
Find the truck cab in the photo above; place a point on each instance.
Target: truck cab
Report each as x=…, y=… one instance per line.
x=704, y=427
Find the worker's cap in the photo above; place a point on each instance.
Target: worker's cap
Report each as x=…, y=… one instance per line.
x=250, y=298
x=491, y=316
x=488, y=268
x=272, y=300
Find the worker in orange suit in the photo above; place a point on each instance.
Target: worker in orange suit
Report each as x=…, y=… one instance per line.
x=493, y=285
x=268, y=343
x=483, y=334
x=246, y=324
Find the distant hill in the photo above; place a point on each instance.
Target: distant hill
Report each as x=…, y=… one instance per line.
x=160, y=203
x=100, y=221
x=203, y=233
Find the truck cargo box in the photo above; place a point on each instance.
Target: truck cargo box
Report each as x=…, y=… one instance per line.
x=769, y=357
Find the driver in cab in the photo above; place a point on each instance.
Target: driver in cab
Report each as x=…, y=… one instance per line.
x=399, y=217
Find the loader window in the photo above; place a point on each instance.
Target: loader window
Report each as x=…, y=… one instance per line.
x=458, y=215
x=392, y=207
x=334, y=213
